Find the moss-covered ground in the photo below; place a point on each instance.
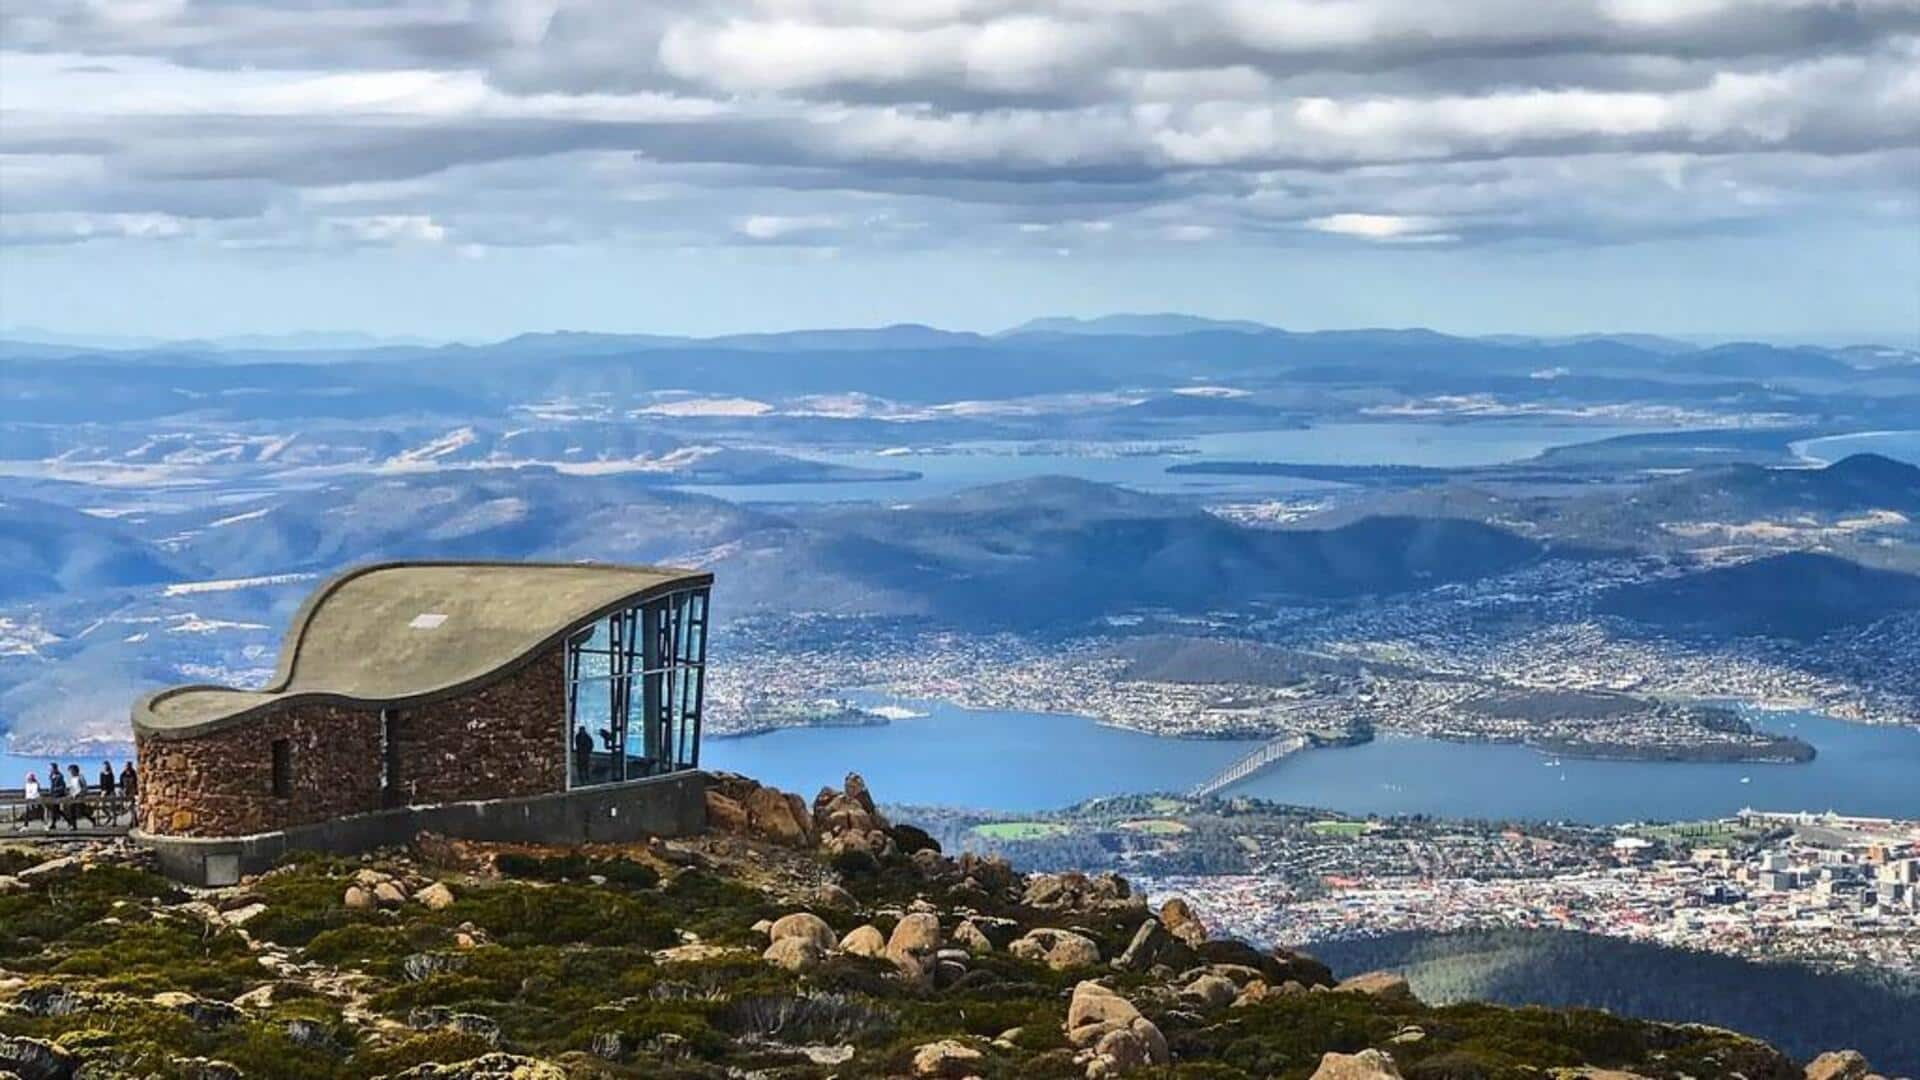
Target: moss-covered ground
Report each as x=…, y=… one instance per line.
x=587, y=963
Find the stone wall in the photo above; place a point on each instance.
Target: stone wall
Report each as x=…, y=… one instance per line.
x=504, y=739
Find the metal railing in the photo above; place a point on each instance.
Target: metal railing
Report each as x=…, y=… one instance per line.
x=75, y=815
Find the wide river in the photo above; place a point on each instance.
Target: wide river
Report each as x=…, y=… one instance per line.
x=948, y=468
x=1013, y=761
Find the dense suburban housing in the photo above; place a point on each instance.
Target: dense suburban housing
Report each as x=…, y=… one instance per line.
x=492, y=700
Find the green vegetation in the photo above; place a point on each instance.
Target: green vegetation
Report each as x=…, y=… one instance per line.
x=1643, y=980
x=1348, y=829
x=581, y=962
x=1022, y=830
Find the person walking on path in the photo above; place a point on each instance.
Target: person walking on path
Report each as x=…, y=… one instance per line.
x=77, y=791
x=30, y=792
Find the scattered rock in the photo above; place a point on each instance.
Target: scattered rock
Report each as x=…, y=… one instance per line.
x=10, y=884
x=203, y=1012
x=794, y=953
x=260, y=997
x=51, y=866
x=388, y=894
x=1838, y=1065
x=358, y=899
x=1117, y=1037
x=835, y=897
x=441, y=1018
x=310, y=1035
x=244, y=914
x=54, y=1000
x=913, y=943
x=1281, y=965
x=972, y=938
x=805, y=926
x=1365, y=1065
x=946, y=1058
x=1210, y=991
x=1060, y=950
x=1380, y=984
x=865, y=941
x=420, y=967
x=1182, y=923
x=34, y=1059
x=435, y=897
x=1151, y=945
x=489, y=1067
x=1074, y=891
x=918, y=932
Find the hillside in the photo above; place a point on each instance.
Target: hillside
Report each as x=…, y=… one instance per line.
x=786, y=943
x=1780, y=1002
x=46, y=548
x=1795, y=595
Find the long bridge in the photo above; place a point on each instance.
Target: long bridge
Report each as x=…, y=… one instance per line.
x=1253, y=761
x=79, y=817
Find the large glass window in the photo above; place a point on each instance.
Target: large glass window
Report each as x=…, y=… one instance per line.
x=635, y=680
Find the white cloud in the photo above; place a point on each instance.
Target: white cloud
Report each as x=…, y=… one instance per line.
x=472, y=124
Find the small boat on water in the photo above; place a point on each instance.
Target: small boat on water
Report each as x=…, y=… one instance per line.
x=1553, y=764
x=1746, y=779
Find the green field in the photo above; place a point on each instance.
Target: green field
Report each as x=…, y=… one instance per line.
x=1347, y=829
x=1022, y=830
x=1699, y=833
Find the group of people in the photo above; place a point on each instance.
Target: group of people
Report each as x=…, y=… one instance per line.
x=68, y=797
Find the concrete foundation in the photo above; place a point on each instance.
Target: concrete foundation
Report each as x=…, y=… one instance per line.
x=671, y=805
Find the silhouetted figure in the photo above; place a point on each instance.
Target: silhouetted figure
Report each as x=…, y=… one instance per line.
x=129, y=782
x=582, y=754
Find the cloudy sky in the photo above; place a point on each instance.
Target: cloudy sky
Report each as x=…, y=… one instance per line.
x=470, y=168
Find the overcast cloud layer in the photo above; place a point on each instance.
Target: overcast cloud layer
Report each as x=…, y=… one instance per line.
x=480, y=127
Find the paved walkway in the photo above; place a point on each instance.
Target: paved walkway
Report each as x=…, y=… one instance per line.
x=87, y=816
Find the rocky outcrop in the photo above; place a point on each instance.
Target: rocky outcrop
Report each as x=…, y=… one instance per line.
x=1380, y=984
x=1077, y=892
x=865, y=941
x=1839, y=1065
x=1152, y=946
x=1182, y=923
x=948, y=1059
x=1365, y=1065
x=34, y=1059
x=745, y=807
x=847, y=820
x=489, y=1067
x=1113, y=1037
x=805, y=926
x=914, y=943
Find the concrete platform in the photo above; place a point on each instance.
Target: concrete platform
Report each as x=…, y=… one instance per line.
x=670, y=805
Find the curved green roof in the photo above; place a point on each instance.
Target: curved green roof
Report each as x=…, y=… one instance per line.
x=405, y=632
